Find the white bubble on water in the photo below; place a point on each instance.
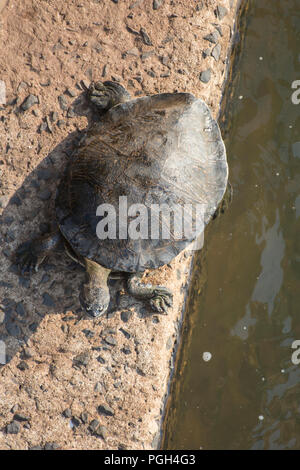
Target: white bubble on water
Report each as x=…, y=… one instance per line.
x=206, y=356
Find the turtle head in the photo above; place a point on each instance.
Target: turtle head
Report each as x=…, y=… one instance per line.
x=94, y=296
x=105, y=95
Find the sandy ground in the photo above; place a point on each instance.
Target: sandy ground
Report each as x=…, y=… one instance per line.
x=67, y=383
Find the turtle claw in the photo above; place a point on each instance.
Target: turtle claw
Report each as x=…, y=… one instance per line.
x=27, y=261
x=162, y=300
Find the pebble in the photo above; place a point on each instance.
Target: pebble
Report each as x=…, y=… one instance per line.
x=23, y=366
x=216, y=52
x=51, y=446
x=110, y=340
x=71, y=92
x=20, y=417
x=67, y=413
x=205, y=76
x=29, y=102
x=145, y=37
x=71, y=113
x=134, y=51
x=84, y=417
x=81, y=359
x=221, y=12
x=206, y=52
x=13, y=428
x=157, y=4
x=20, y=309
x=105, y=410
x=63, y=102
x=44, y=195
x=47, y=300
x=93, y=425
x=3, y=201
x=212, y=37
x=54, y=116
x=61, y=123
x=101, y=431
x=126, y=351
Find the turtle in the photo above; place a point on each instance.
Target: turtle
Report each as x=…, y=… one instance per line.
x=149, y=152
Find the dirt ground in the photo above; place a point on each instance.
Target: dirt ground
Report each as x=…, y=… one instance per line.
x=71, y=383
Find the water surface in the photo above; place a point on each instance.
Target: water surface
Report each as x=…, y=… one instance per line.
x=244, y=305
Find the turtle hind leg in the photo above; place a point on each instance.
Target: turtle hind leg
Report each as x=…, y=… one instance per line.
x=30, y=255
x=104, y=96
x=160, y=297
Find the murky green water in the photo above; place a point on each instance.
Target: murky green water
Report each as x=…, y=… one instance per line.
x=248, y=313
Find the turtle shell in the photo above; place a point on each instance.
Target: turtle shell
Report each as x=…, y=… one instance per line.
x=162, y=152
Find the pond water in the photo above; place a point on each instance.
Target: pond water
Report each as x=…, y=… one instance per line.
x=244, y=302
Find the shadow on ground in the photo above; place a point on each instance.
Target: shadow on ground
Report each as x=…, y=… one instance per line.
x=54, y=289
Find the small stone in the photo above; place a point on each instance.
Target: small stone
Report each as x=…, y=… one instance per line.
x=126, y=315
x=67, y=413
x=54, y=116
x=20, y=309
x=27, y=353
x=212, y=37
x=126, y=351
x=51, y=446
x=29, y=102
x=3, y=201
x=221, y=12
x=22, y=366
x=84, y=417
x=134, y=51
x=110, y=340
x=71, y=92
x=47, y=300
x=63, y=102
x=20, y=417
x=61, y=123
x=36, y=448
x=75, y=421
x=88, y=333
x=22, y=86
x=71, y=113
x=44, y=195
x=125, y=333
x=101, y=431
x=13, y=428
x=205, y=76
x=93, y=425
x=81, y=359
x=101, y=360
x=216, y=52
x=145, y=37
x=98, y=387
x=49, y=126
x=157, y=4
x=105, y=410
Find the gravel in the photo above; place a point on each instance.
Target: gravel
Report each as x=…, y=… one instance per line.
x=29, y=102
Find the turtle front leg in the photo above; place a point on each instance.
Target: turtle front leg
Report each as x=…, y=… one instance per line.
x=30, y=255
x=160, y=297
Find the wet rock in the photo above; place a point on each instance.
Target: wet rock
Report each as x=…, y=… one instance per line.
x=212, y=37
x=145, y=37
x=157, y=4
x=221, y=12
x=205, y=76
x=29, y=102
x=13, y=428
x=216, y=52
x=105, y=410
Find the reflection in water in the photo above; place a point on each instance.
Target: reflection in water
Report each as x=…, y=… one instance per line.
x=247, y=315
